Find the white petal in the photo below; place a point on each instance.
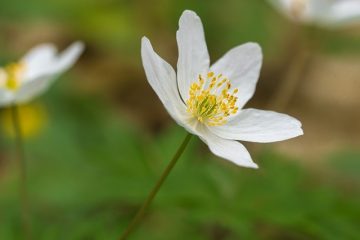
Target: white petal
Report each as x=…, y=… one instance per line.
x=255, y=125
x=43, y=60
x=32, y=89
x=38, y=60
x=42, y=67
x=193, y=54
x=6, y=97
x=302, y=10
x=67, y=58
x=325, y=13
x=345, y=11
x=241, y=65
x=162, y=79
x=228, y=149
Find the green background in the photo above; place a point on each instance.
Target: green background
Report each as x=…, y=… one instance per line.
x=108, y=138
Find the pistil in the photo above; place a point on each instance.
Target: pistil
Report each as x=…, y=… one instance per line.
x=211, y=100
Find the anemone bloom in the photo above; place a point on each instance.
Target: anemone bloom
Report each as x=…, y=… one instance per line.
x=208, y=101
x=320, y=12
x=22, y=81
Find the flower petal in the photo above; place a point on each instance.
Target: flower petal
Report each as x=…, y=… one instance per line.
x=67, y=58
x=32, y=89
x=38, y=59
x=255, y=125
x=43, y=60
x=241, y=65
x=43, y=65
x=228, y=149
x=162, y=79
x=302, y=11
x=6, y=97
x=343, y=12
x=193, y=54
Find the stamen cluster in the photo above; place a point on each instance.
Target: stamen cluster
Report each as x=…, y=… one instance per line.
x=13, y=73
x=211, y=101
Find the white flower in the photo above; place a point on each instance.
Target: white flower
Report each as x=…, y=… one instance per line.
x=320, y=12
x=208, y=101
x=22, y=81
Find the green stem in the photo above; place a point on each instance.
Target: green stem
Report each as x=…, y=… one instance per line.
x=140, y=214
x=25, y=209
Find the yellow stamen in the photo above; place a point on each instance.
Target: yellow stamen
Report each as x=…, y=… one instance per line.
x=13, y=73
x=210, y=100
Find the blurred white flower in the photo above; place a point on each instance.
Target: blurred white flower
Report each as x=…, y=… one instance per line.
x=22, y=81
x=208, y=101
x=329, y=13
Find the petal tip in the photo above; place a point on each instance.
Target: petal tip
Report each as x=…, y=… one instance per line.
x=297, y=132
x=188, y=12
x=144, y=39
x=145, y=45
x=301, y=132
x=77, y=48
x=79, y=44
x=248, y=165
x=298, y=124
x=253, y=165
x=255, y=47
x=188, y=15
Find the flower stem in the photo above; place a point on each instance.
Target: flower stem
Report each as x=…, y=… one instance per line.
x=140, y=214
x=25, y=209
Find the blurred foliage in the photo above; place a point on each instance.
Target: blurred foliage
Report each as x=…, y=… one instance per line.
x=91, y=165
x=90, y=171
x=121, y=23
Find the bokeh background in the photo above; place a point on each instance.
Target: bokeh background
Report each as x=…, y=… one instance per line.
x=99, y=139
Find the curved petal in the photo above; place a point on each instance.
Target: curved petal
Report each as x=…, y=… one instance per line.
x=241, y=65
x=162, y=79
x=193, y=54
x=32, y=89
x=255, y=125
x=67, y=58
x=344, y=12
x=43, y=60
x=38, y=59
x=228, y=149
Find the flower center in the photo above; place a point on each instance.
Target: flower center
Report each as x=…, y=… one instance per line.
x=11, y=75
x=211, y=101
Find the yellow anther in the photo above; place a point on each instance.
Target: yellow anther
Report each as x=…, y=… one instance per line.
x=212, y=103
x=13, y=73
x=210, y=74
